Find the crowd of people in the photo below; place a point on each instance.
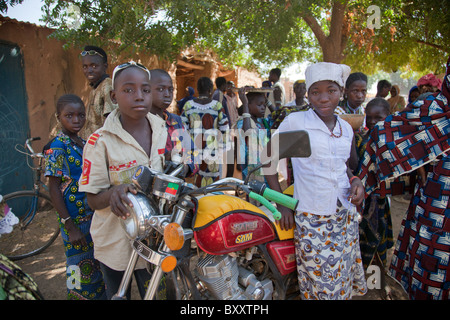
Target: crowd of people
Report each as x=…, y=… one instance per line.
x=342, y=223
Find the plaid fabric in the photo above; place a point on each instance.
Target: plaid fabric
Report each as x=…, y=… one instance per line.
x=417, y=137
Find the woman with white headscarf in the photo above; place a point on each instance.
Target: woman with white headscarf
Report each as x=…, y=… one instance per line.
x=326, y=233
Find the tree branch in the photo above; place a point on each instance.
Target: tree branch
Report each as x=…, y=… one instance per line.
x=316, y=28
x=436, y=46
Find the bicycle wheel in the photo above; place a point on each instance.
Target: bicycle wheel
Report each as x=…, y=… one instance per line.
x=38, y=227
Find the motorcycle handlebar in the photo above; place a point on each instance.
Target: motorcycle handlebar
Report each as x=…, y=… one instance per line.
x=280, y=198
x=264, y=195
x=276, y=214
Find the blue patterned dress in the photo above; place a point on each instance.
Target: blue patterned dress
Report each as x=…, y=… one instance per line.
x=83, y=275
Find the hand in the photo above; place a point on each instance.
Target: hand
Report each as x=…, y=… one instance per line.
x=357, y=192
x=287, y=218
x=242, y=95
x=76, y=237
x=119, y=198
x=422, y=175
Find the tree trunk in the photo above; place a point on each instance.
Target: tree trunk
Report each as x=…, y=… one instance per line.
x=334, y=44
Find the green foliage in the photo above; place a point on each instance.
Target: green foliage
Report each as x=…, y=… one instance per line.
x=278, y=32
x=4, y=4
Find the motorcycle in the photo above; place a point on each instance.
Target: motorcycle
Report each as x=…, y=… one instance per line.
x=209, y=245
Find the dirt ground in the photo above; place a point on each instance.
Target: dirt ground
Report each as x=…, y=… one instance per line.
x=48, y=268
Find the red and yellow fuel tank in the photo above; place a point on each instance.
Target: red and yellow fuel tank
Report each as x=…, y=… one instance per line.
x=225, y=224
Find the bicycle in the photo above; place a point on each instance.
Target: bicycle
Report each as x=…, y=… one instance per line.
x=38, y=226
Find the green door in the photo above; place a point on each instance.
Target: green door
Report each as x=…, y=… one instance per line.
x=14, y=126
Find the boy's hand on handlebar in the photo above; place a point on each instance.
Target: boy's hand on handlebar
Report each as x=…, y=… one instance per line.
x=287, y=218
x=119, y=199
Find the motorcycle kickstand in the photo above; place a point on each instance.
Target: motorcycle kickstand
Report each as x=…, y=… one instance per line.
x=124, y=284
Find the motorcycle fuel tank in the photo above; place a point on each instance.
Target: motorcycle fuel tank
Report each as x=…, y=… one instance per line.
x=227, y=224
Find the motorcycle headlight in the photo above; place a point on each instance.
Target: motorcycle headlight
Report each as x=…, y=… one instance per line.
x=136, y=226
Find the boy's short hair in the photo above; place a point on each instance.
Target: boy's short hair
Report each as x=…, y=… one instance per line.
x=99, y=50
x=380, y=102
x=251, y=96
x=276, y=71
x=66, y=99
x=220, y=81
x=159, y=72
x=383, y=84
x=204, y=84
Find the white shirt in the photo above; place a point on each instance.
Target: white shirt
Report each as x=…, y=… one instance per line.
x=278, y=84
x=321, y=179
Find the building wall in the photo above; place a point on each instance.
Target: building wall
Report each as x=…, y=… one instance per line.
x=51, y=71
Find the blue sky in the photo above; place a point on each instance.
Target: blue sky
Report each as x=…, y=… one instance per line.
x=28, y=11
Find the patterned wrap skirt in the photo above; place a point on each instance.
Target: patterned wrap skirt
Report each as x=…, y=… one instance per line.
x=421, y=261
x=83, y=275
x=328, y=256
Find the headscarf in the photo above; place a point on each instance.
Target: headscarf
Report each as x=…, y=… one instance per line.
x=326, y=71
x=411, y=91
x=396, y=100
x=408, y=140
x=430, y=80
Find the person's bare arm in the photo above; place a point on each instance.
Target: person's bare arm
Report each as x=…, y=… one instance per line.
x=114, y=197
x=76, y=237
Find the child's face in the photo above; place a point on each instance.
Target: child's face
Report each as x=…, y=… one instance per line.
x=93, y=67
x=374, y=115
x=132, y=93
x=385, y=91
x=72, y=118
x=324, y=97
x=162, y=91
x=414, y=95
x=257, y=107
x=356, y=93
x=300, y=90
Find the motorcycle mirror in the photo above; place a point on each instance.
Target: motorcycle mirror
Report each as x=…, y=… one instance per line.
x=294, y=144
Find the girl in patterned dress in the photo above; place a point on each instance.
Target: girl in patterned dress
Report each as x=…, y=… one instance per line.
x=207, y=122
x=63, y=169
x=326, y=234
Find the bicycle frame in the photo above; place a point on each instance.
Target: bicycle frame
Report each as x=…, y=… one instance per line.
x=37, y=171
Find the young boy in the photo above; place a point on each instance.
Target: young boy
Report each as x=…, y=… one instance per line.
x=252, y=132
x=178, y=139
x=375, y=229
x=130, y=137
x=279, y=92
x=95, y=64
x=383, y=88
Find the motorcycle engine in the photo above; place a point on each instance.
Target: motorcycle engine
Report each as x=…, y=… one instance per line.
x=225, y=280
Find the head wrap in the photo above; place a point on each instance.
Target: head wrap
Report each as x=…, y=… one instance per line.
x=430, y=80
x=327, y=71
x=415, y=88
